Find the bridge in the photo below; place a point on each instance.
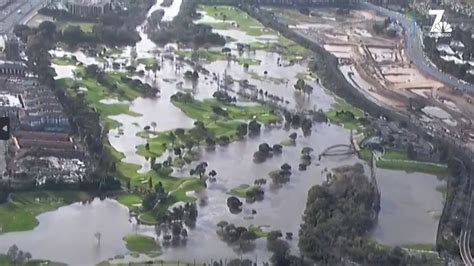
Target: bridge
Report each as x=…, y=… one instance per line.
x=338, y=150
x=342, y=149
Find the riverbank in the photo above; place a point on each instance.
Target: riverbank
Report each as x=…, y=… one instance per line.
x=19, y=213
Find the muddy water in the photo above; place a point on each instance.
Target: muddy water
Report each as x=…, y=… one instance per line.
x=410, y=205
x=407, y=199
x=67, y=234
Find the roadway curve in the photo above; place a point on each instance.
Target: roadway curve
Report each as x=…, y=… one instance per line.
x=28, y=8
x=414, y=49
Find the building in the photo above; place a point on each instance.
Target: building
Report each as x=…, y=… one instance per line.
x=10, y=57
x=87, y=8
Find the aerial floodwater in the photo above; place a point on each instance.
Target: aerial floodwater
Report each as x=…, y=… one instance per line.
x=410, y=202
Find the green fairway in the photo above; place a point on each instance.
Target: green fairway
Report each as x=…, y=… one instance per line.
x=244, y=22
x=130, y=200
x=142, y=244
x=231, y=14
x=19, y=214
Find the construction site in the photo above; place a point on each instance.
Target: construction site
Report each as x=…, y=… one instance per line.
x=371, y=54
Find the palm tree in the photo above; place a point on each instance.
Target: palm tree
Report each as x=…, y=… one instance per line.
x=153, y=125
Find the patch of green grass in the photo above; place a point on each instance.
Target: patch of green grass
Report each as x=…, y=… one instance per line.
x=244, y=22
x=19, y=214
x=129, y=200
x=96, y=92
x=217, y=125
x=258, y=230
x=395, y=155
x=414, y=166
x=241, y=191
x=85, y=26
x=202, y=111
x=142, y=244
x=64, y=61
x=343, y=120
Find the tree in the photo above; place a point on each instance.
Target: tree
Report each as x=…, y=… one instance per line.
x=128, y=185
x=189, y=144
x=222, y=224
x=172, y=137
x=147, y=146
x=150, y=183
x=153, y=125
x=179, y=132
x=12, y=253
x=184, y=233
x=293, y=137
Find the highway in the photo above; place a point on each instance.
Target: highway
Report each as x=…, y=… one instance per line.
x=414, y=50
x=9, y=17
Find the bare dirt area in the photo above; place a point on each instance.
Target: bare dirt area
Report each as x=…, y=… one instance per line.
x=376, y=64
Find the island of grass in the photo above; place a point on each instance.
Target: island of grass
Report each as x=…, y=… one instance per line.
x=234, y=18
x=243, y=190
x=142, y=244
x=112, y=85
x=346, y=115
x=19, y=213
x=176, y=187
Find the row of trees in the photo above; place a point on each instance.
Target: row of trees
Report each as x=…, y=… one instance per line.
x=117, y=27
x=183, y=30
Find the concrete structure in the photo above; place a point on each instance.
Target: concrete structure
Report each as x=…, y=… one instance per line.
x=87, y=8
x=12, y=68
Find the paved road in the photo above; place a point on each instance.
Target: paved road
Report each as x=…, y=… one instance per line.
x=414, y=48
x=10, y=17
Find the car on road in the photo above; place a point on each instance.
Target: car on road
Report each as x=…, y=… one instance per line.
x=19, y=11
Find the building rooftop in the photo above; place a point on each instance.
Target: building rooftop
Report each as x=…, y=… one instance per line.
x=89, y=2
x=9, y=100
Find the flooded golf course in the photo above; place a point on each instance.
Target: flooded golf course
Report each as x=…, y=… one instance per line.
x=410, y=202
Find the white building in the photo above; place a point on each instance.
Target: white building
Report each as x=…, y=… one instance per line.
x=87, y=8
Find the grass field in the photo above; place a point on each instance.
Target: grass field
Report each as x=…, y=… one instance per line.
x=142, y=244
x=343, y=121
x=245, y=22
x=96, y=92
x=19, y=214
x=241, y=191
x=129, y=200
x=285, y=47
x=85, y=26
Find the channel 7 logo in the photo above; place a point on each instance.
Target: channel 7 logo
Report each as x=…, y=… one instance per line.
x=439, y=28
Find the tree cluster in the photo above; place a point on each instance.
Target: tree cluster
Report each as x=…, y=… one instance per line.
x=183, y=30
x=236, y=235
